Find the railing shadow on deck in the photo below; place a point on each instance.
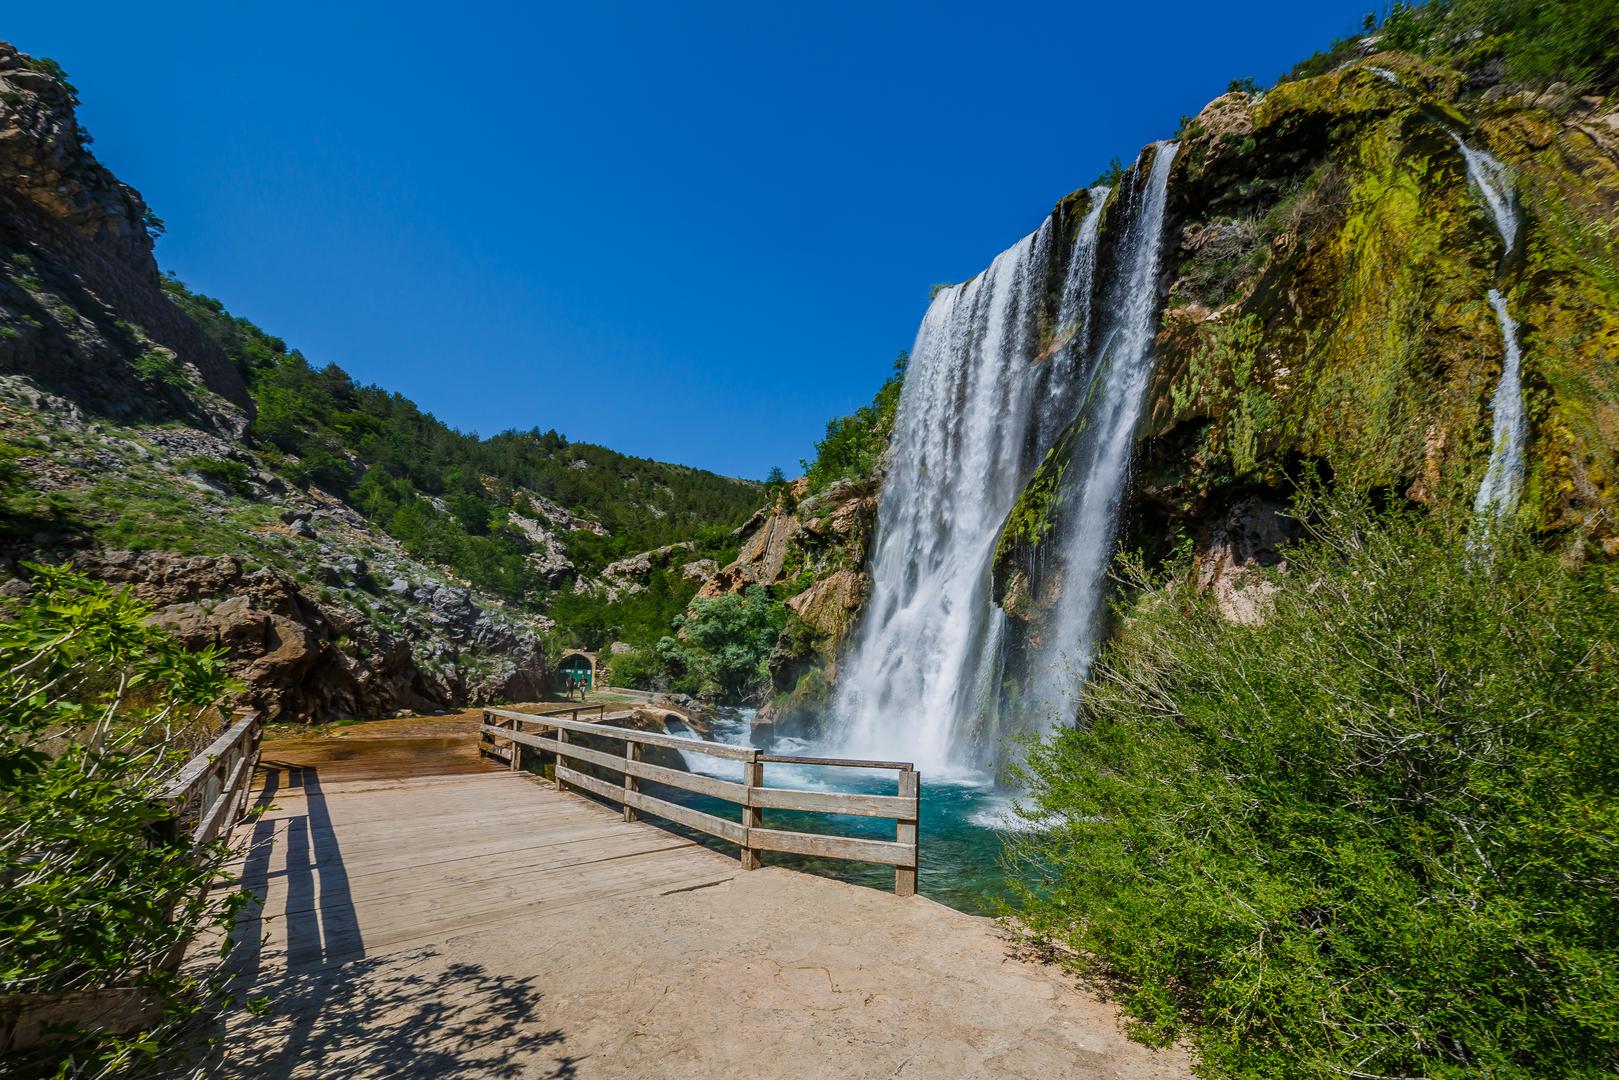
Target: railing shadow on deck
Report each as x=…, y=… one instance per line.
x=388, y=1015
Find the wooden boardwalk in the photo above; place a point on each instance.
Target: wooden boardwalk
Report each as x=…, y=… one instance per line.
x=430, y=914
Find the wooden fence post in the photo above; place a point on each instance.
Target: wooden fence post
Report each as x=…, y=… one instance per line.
x=517, y=747
x=632, y=752
x=562, y=737
x=753, y=775
x=905, y=833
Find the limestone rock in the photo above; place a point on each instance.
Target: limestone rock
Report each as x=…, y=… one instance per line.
x=833, y=603
x=1252, y=534
x=91, y=273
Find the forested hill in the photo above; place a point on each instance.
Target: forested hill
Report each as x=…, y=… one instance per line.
x=383, y=453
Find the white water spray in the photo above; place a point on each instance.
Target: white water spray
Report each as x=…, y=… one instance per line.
x=921, y=680
x=917, y=668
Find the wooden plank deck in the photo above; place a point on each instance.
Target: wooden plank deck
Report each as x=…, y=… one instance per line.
x=429, y=914
x=380, y=844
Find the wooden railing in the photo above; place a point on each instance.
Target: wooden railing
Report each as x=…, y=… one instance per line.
x=209, y=789
x=751, y=794
x=205, y=794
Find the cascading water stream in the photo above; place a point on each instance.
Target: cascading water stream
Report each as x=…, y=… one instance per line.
x=1070, y=345
x=1092, y=489
x=1503, y=480
x=919, y=663
x=921, y=680
x=1502, y=485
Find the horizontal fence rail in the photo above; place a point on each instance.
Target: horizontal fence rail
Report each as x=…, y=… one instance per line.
x=209, y=790
x=504, y=726
x=203, y=796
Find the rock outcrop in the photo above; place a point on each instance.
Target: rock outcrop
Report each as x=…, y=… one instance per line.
x=812, y=547
x=81, y=301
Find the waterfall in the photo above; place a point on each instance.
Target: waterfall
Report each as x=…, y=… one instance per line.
x=980, y=406
x=1498, y=492
x=1503, y=480
x=1093, y=484
x=1070, y=340
x=1493, y=181
x=921, y=656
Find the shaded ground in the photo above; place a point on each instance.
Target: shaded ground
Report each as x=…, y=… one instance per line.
x=428, y=914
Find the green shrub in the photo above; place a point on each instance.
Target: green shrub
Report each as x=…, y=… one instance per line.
x=158, y=368
x=722, y=646
x=233, y=476
x=96, y=710
x=1377, y=835
x=854, y=445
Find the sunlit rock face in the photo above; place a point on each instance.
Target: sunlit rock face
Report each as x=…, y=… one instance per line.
x=81, y=299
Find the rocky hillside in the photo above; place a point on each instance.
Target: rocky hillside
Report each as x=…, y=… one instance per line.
x=353, y=555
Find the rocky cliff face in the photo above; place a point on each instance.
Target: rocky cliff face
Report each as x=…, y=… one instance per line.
x=123, y=439
x=82, y=309
x=811, y=551
x=322, y=617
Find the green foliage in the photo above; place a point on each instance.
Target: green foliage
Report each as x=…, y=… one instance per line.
x=1539, y=41
x=155, y=226
x=391, y=461
x=590, y=621
x=1110, y=176
x=854, y=445
x=96, y=709
x=230, y=475
x=155, y=367
x=495, y=560
x=1373, y=835
x=722, y=646
x=639, y=670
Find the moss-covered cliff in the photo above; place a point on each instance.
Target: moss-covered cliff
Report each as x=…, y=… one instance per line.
x=1327, y=270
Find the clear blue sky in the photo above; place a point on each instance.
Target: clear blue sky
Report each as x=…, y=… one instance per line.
x=690, y=232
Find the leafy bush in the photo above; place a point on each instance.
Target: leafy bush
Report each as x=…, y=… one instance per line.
x=722, y=646
x=231, y=475
x=1375, y=835
x=854, y=445
x=158, y=368
x=96, y=709
x=1539, y=41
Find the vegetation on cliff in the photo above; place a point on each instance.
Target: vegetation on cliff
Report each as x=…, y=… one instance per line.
x=1349, y=810
x=390, y=459
x=854, y=445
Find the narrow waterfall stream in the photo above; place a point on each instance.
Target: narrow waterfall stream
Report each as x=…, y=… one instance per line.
x=1093, y=486
x=1499, y=491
